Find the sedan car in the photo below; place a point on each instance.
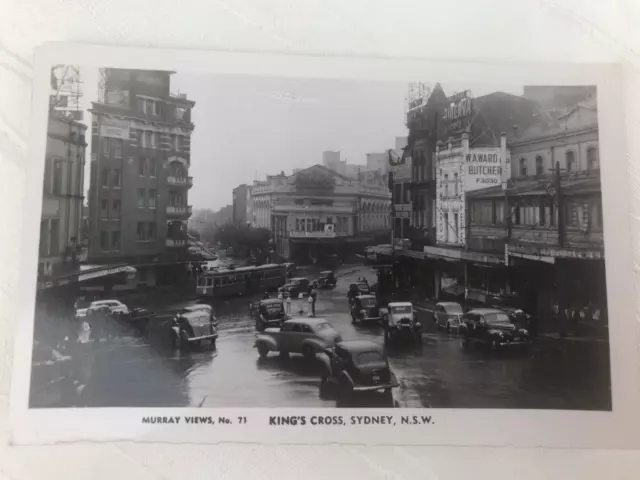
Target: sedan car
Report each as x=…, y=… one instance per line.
x=116, y=307
x=268, y=313
x=307, y=336
x=364, y=308
x=295, y=287
x=356, y=366
x=193, y=327
x=400, y=322
x=493, y=328
x=448, y=315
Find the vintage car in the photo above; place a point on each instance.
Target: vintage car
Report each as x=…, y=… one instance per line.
x=400, y=321
x=356, y=366
x=267, y=313
x=116, y=307
x=307, y=336
x=193, y=328
x=327, y=279
x=295, y=287
x=493, y=328
x=364, y=308
x=363, y=287
x=448, y=315
x=200, y=307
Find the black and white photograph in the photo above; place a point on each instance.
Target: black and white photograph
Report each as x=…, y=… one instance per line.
x=232, y=241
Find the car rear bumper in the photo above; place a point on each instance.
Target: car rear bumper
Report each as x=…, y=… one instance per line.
x=203, y=337
x=372, y=319
x=372, y=388
x=514, y=343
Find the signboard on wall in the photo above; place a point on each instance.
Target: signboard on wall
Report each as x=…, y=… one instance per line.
x=114, y=128
x=482, y=168
x=458, y=114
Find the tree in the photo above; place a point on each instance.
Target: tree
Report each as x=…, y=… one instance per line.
x=194, y=233
x=247, y=238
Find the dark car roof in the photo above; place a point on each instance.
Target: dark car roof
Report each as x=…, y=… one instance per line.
x=326, y=272
x=485, y=311
x=355, y=346
x=268, y=301
x=196, y=314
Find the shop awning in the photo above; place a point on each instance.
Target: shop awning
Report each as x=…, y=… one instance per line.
x=85, y=273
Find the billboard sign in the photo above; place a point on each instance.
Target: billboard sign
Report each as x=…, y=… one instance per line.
x=482, y=168
x=458, y=114
x=114, y=128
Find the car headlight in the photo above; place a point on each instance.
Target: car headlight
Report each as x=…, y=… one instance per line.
x=418, y=324
x=524, y=331
x=363, y=311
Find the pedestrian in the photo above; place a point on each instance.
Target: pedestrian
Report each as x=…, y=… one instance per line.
x=314, y=297
x=280, y=297
x=288, y=305
x=310, y=306
x=301, y=299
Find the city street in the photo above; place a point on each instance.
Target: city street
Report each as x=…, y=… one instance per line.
x=135, y=370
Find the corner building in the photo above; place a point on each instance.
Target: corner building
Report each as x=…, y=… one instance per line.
x=138, y=197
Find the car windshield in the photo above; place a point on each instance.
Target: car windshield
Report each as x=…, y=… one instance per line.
x=295, y=282
x=497, y=317
x=322, y=326
x=368, y=357
x=274, y=307
x=368, y=302
x=453, y=309
x=402, y=309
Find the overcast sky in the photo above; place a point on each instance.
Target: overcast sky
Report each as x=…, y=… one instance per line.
x=249, y=126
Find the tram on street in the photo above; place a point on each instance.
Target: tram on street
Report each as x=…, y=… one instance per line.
x=224, y=282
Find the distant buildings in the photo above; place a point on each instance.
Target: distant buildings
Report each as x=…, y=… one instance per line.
x=242, y=215
x=141, y=154
x=61, y=225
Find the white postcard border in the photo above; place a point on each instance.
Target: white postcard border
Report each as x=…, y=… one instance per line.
x=616, y=429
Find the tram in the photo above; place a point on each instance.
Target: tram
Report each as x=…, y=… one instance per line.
x=224, y=282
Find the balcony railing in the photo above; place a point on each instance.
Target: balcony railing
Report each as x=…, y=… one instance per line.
x=179, y=210
x=173, y=243
x=180, y=181
x=325, y=209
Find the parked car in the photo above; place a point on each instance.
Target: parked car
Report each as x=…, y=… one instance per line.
x=200, y=307
x=356, y=366
x=364, y=308
x=295, y=287
x=307, y=336
x=193, y=327
x=493, y=328
x=268, y=313
x=400, y=321
x=363, y=287
x=116, y=307
x=448, y=315
x=327, y=279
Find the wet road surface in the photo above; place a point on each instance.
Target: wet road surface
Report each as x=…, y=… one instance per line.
x=134, y=370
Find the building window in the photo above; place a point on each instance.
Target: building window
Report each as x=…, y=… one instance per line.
x=44, y=236
x=141, y=198
x=117, y=178
x=142, y=165
x=176, y=143
x=447, y=228
x=141, y=105
x=523, y=167
x=446, y=184
x=105, y=147
x=115, y=209
x=499, y=213
x=455, y=183
x=140, y=232
x=105, y=177
x=570, y=158
x=153, y=137
x=180, y=113
x=104, y=240
x=146, y=139
x=104, y=208
x=152, y=231
x=117, y=148
x=54, y=233
x=455, y=227
x=528, y=215
x=539, y=165
x=596, y=216
x=151, y=167
x=56, y=188
x=152, y=199
x=593, y=162
x=115, y=240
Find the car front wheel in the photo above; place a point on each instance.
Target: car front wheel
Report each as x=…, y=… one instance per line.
x=262, y=350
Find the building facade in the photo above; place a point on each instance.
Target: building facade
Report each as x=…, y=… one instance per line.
x=138, y=201
x=61, y=226
x=317, y=212
x=555, y=225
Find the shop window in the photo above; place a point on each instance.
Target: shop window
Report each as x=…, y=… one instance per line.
x=593, y=162
x=570, y=158
x=539, y=165
x=523, y=167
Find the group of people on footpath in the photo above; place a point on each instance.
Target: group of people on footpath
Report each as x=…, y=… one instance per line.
x=312, y=298
x=572, y=318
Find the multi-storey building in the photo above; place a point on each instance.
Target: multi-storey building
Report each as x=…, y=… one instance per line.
x=317, y=212
x=241, y=206
x=61, y=240
x=551, y=237
x=141, y=141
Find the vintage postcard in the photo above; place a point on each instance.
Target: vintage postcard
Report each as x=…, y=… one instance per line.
x=257, y=248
